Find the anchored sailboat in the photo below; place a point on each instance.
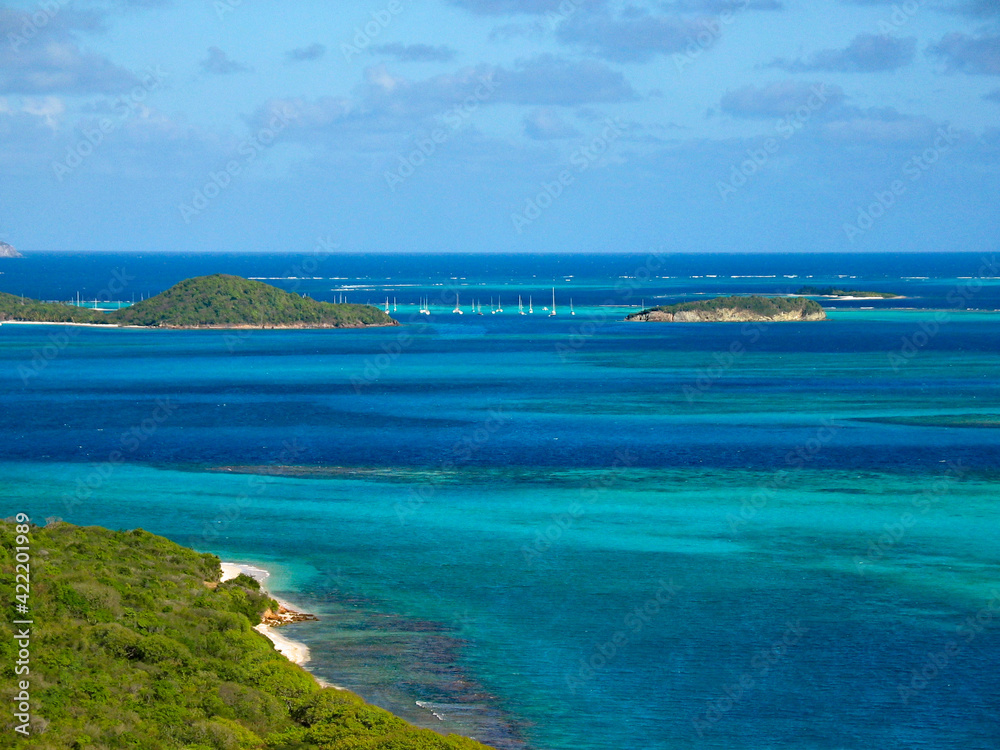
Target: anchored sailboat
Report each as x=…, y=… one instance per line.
x=571, y=310
x=552, y=314
x=457, y=308
x=520, y=305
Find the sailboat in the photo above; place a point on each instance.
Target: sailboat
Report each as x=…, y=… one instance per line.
x=520, y=305
x=425, y=306
x=387, y=304
x=457, y=308
x=499, y=306
x=531, y=310
x=571, y=310
x=394, y=309
x=552, y=314
x=480, y=310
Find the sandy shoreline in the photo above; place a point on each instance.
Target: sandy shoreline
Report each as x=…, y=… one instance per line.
x=108, y=326
x=295, y=652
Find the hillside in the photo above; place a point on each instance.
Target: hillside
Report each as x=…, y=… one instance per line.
x=136, y=645
x=223, y=301
x=734, y=309
x=15, y=308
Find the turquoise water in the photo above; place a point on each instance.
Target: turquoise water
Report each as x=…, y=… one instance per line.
x=552, y=536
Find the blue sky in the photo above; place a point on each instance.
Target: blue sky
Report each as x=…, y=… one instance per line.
x=500, y=125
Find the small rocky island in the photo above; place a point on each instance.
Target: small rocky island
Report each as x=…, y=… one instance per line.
x=829, y=291
x=734, y=310
x=8, y=251
x=218, y=301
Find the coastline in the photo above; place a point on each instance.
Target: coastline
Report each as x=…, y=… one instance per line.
x=117, y=326
x=294, y=651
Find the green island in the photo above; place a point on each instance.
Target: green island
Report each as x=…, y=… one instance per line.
x=734, y=309
x=136, y=644
x=829, y=291
x=217, y=301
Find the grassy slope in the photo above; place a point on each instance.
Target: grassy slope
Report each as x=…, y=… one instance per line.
x=132, y=649
x=754, y=304
x=14, y=308
x=223, y=300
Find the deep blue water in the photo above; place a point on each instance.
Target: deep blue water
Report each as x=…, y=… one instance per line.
x=803, y=514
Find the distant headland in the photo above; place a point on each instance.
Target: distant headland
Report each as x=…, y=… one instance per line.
x=218, y=301
x=8, y=251
x=734, y=310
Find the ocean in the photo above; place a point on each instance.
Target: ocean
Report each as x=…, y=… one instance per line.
x=567, y=531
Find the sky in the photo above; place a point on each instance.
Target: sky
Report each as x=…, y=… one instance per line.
x=500, y=126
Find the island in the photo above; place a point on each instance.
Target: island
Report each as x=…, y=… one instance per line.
x=751, y=309
x=829, y=291
x=218, y=301
x=134, y=641
x=8, y=251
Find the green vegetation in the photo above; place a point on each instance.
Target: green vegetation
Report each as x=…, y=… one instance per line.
x=222, y=301
x=723, y=308
x=829, y=291
x=217, y=301
x=135, y=645
x=17, y=308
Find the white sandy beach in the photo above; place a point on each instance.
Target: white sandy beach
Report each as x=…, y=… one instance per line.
x=297, y=653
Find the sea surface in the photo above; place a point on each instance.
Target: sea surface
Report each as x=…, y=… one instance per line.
x=568, y=531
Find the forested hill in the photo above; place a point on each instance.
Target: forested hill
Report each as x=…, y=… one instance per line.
x=218, y=301
x=223, y=301
x=135, y=644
